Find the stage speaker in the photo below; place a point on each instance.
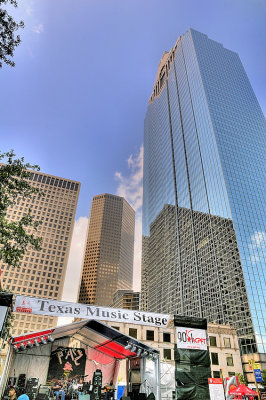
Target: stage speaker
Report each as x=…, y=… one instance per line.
x=151, y=397
x=142, y=396
x=42, y=396
x=32, y=383
x=21, y=381
x=97, y=385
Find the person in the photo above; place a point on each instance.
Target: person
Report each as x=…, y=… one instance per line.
x=58, y=390
x=12, y=395
x=109, y=390
x=23, y=397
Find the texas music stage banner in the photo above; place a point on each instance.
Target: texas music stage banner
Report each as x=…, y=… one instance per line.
x=55, y=308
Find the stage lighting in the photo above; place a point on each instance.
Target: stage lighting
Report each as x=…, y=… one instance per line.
x=128, y=346
x=15, y=347
x=154, y=357
x=36, y=343
x=50, y=339
x=29, y=344
x=145, y=353
x=139, y=351
x=134, y=348
x=22, y=346
x=43, y=341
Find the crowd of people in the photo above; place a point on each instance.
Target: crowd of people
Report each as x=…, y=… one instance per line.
x=60, y=389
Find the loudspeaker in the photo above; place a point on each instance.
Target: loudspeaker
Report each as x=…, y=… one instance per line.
x=97, y=385
x=32, y=383
x=142, y=396
x=151, y=397
x=21, y=381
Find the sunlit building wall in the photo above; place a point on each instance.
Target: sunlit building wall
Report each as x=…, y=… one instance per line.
x=109, y=253
x=42, y=273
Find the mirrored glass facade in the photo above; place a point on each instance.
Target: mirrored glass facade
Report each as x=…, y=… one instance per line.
x=204, y=198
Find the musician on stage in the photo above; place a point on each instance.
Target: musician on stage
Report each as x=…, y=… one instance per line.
x=59, y=390
x=109, y=391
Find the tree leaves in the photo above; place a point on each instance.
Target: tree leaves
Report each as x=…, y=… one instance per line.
x=16, y=236
x=8, y=39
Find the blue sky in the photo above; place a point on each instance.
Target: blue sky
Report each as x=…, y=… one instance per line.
x=76, y=100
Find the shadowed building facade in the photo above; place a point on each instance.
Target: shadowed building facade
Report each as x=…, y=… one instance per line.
x=108, y=260
x=203, y=190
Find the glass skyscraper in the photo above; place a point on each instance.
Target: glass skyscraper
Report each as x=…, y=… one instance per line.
x=204, y=192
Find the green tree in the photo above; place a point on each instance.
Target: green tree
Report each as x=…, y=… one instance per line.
x=8, y=38
x=241, y=379
x=16, y=236
x=263, y=373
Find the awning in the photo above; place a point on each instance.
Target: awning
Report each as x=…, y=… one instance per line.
x=91, y=333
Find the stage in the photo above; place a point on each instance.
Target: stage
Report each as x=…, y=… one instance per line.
x=76, y=351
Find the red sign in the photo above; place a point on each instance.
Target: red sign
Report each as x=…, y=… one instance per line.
x=25, y=306
x=215, y=381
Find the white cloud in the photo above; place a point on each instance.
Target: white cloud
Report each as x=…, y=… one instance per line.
x=130, y=187
x=38, y=29
x=257, y=246
x=29, y=10
x=74, y=266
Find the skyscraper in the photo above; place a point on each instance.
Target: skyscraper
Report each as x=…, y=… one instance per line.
x=204, y=197
x=108, y=260
x=42, y=273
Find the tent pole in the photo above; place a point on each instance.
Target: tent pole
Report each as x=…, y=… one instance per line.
x=142, y=373
x=157, y=378
x=6, y=369
x=127, y=367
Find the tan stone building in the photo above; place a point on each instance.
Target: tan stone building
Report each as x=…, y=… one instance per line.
x=108, y=260
x=224, y=350
x=42, y=273
x=223, y=344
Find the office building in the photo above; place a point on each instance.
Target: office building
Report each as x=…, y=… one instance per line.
x=42, y=273
x=204, y=190
x=126, y=299
x=108, y=260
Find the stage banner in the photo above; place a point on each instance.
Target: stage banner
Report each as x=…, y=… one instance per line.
x=188, y=338
x=54, y=308
x=66, y=363
x=192, y=359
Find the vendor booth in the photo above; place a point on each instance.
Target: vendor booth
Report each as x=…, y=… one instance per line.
x=84, y=357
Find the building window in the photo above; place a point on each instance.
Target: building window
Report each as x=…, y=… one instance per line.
x=166, y=337
x=213, y=341
x=227, y=342
x=133, y=333
x=167, y=354
x=229, y=360
x=216, y=374
x=116, y=327
x=231, y=374
x=149, y=335
x=215, y=359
